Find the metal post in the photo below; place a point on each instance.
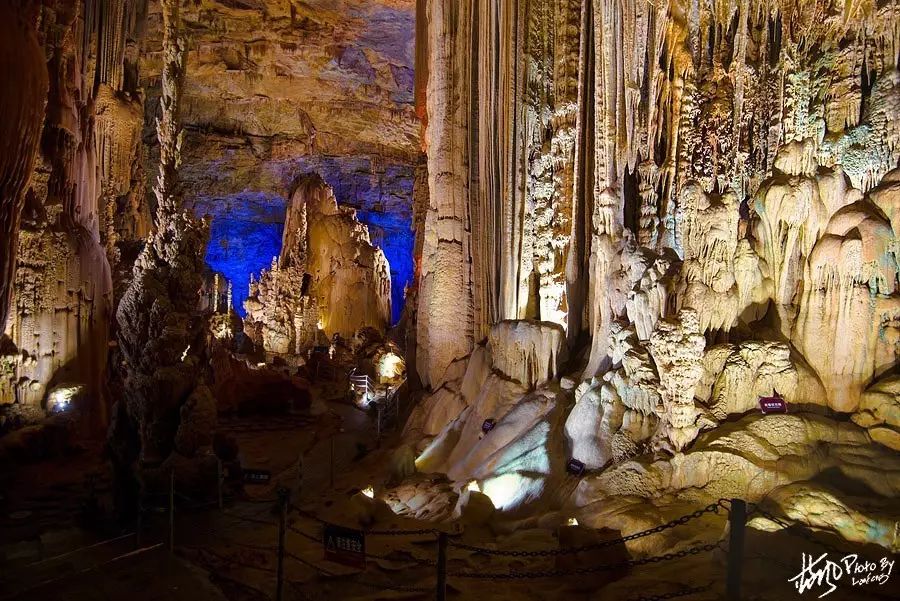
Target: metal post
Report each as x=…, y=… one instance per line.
x=331, y=478
x=172, y=511
x=442, y=567
x=140, y=519
x=737, y=520
x=220, y=478
x=378, y=424
x=284, y=496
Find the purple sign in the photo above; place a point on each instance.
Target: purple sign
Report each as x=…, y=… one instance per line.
x=575, y=467
x=488, y=425
x=772, y=404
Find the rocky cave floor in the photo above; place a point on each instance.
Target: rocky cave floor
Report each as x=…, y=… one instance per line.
x=56, y=543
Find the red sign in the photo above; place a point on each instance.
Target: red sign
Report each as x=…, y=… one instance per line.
x=772, y=404
x=345, y=546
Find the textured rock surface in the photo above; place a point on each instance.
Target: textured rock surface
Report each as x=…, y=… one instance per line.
x=161, y=333
x=703, y=196
x=276, y=90
x=22, y=107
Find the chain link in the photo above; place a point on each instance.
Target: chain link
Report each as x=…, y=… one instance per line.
x=796, y=529
x=586, y=570
x=249, y=520
x=713, y=508
x=378, y=585
x=418, y=532
x=426, y=562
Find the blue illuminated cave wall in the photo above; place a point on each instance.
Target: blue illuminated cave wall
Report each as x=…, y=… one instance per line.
x=247, y=227
x=245, y=234
x=392, y=233
x=382, y=194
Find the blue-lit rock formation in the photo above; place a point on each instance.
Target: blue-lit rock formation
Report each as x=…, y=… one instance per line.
x=247, y=226
x=245, y=234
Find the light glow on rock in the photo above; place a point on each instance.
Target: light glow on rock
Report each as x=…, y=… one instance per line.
x=506, y=490
x=391, y=366
x=60, y=399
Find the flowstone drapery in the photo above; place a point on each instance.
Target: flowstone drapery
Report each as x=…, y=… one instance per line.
x=703, y=196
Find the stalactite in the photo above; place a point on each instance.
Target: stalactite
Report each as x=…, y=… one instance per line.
x=445, y=312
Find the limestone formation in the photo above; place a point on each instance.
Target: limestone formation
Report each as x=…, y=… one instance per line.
x=22, y=108
x=632, y=221
x=703, y=197
x=161, y=332
x=329, y=277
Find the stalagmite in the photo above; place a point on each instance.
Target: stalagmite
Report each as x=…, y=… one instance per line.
x=160, y=330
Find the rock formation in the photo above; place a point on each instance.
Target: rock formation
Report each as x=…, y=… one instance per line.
x=19, y=131
x=329, y=276
x=161, y=332
x=702, y=197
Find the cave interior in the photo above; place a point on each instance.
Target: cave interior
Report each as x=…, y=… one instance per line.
x=414, y=299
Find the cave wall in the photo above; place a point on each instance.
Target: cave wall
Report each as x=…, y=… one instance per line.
x=278, y=90
x=81, y=202
x=643, y=218
x=562, y=133
x=23, y=108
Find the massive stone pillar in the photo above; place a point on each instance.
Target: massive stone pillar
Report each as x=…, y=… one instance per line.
x=445, y=325
x=161, y=332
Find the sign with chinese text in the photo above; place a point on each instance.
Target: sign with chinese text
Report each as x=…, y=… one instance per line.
x=345, y=546
x=575, y=467
x=257, y=476
x=772, y=404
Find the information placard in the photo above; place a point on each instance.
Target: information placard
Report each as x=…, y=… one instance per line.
x=575, y=467
x=345, y=546
x=257, y=476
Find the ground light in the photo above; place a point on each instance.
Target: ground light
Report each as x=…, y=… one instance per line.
x=369, y=491
x=60, y=399
x=390, y=366
x=571, y=522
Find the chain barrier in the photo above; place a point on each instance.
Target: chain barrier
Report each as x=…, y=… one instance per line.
x=673, y=594
x=586, y=570
x=419, y=532
x=795, y=529
x=249, y=520
x=712, y=508
x=378, y=585
x=368, y=555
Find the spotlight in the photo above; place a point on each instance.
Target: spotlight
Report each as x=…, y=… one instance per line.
x=60, y=399
x=369, y=491
x=571, y=522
